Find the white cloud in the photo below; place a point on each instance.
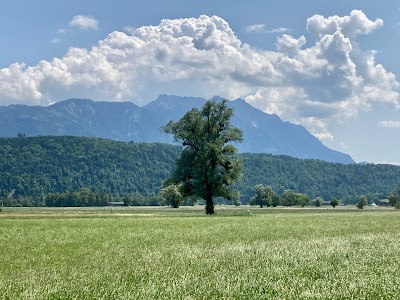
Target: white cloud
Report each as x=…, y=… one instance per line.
x=289, y=45
x=351, y=26
x=255, y=28
x=326, y=82
x=389, y=124
x=280, y=30
x=84, y=22
x=129, y=29
x=56, y=41
x=261, y=28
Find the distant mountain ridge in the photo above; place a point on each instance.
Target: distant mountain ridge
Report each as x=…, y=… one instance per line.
x=125, y=121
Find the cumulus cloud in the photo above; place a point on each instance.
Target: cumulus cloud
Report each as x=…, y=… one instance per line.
x=84, y=22
x=389, y=124
x=326, y=82
x=261, y=28
x=351, y=26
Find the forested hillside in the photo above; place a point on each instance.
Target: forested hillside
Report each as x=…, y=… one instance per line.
x=318, y=178
x=43, y=165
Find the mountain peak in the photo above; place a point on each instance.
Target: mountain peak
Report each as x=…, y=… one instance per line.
x=171, y=102
x=71, y=100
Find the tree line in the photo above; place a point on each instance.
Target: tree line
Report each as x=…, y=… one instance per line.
x=263, y=196
x=37, y=167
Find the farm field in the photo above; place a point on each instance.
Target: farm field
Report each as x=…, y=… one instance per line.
x=164, y=253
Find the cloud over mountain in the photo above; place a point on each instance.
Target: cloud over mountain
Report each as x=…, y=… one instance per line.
x=331, y=79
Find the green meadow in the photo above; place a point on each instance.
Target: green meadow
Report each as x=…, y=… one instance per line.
x=165, y=253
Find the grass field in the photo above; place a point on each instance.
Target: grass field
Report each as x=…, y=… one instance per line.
x=164, y=253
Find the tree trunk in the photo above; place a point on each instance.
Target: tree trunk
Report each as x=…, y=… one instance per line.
x=1, y=207
x=209, y=205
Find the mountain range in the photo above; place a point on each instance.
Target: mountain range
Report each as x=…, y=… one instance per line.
x=125, y=121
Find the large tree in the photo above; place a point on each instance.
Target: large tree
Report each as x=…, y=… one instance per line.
x=208, y=165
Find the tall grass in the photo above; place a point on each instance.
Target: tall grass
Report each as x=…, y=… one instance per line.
x=281, y=254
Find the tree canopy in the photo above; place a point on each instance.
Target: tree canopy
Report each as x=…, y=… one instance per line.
x=394, y=198
x=334, y=202
x=362, y=201
x=172, y=195
x=208, y=165
x=263, y=196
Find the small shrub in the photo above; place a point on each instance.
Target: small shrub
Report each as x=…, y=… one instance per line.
x=362, y=201
x=236, y=202
x=317, y=202
x=334, y=202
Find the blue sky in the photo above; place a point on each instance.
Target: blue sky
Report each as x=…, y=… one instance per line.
x=331, y=66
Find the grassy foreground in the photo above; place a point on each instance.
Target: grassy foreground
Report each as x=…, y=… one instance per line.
x=142, y=253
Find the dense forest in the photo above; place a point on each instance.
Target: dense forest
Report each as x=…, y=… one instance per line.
x=44, y=165
x=318, y=178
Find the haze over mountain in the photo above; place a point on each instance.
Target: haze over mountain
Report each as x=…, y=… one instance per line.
x=125, y=121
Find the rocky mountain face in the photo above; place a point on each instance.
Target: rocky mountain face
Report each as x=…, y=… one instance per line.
x=125, y=121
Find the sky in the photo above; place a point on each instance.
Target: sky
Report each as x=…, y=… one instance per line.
x=331, y=66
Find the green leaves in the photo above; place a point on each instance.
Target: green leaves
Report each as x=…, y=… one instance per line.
x=362, y=201
x=263, y=196
x=334, y=202
x=172, y=195
x=36, y=166
x=394, y=198
x=207, y=166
